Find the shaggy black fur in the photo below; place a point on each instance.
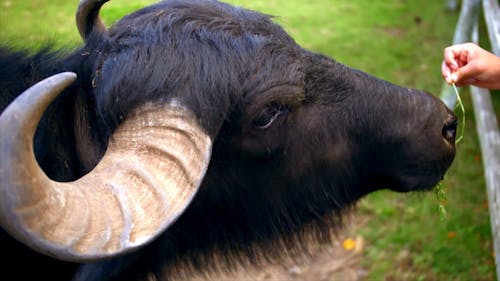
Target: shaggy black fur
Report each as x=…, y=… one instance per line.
x=298, y=137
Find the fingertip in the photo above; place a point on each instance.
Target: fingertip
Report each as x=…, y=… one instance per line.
x=445, y=70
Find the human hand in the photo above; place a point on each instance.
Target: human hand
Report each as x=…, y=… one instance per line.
x=469, y=64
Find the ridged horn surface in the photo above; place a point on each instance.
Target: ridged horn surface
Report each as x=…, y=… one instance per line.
x=88, y=19
x=153, y=166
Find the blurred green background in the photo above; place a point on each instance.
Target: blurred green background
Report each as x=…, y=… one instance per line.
x=398, y=40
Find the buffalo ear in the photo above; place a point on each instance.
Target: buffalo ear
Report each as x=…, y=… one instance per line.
x=153, y=166
x=88, y=20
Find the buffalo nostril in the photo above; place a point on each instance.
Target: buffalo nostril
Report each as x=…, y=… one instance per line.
x=449, y=131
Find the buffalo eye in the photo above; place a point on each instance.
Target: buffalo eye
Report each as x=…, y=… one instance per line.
x=269, y=115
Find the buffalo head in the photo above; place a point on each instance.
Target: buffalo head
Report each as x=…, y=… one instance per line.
x=212, y=115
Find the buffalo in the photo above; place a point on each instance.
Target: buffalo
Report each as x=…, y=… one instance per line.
x=195, y=135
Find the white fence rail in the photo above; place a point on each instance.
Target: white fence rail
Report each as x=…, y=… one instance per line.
x=486, y=121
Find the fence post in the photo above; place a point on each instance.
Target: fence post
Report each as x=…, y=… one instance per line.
x=492, y=18
x=487, y=129
x=489, y=138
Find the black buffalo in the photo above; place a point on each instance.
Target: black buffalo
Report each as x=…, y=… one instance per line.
x=194, y=134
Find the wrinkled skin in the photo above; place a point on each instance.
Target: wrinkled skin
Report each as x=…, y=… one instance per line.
x=298, y=137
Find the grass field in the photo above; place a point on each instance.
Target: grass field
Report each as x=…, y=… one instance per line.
x=397, y=40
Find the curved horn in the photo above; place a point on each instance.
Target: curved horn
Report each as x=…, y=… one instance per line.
x=152, y=168
x=87, y=17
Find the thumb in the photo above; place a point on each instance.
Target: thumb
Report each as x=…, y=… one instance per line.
x=464, y=73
